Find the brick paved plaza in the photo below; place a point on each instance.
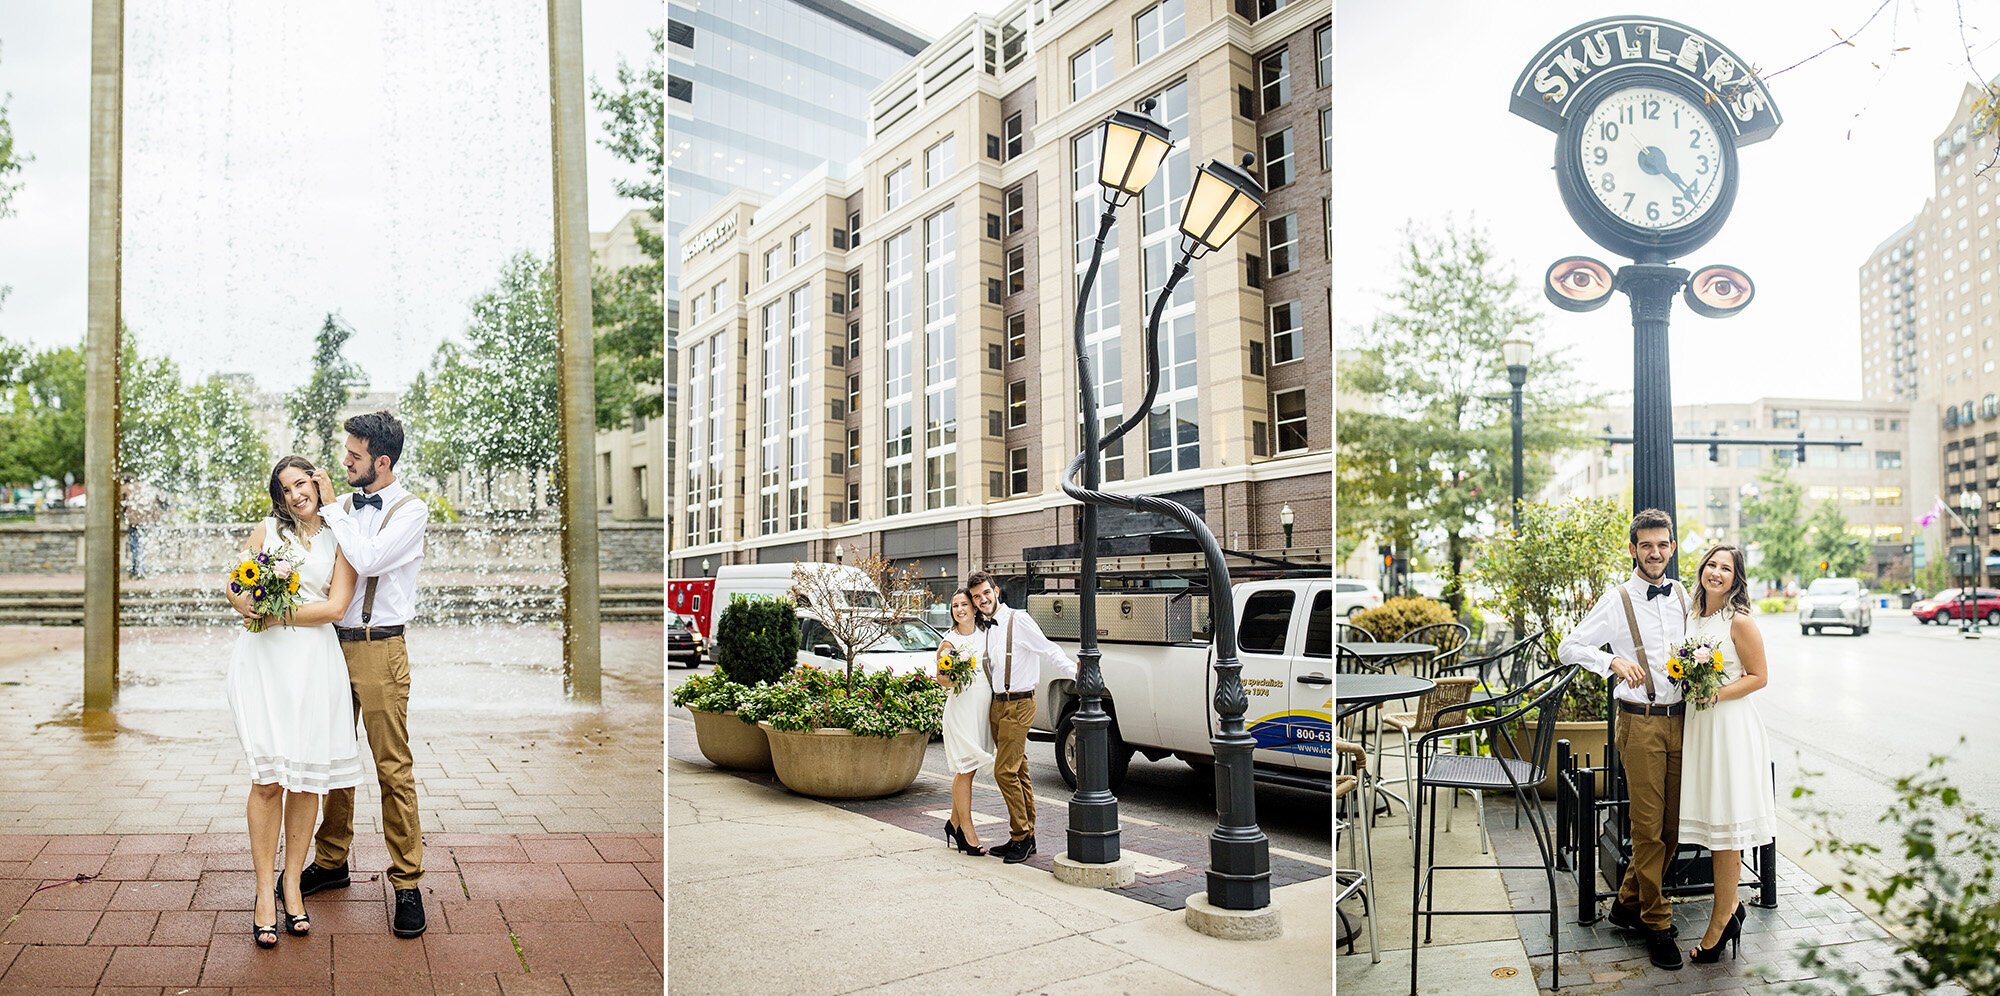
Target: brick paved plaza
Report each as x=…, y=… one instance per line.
x=124, y=864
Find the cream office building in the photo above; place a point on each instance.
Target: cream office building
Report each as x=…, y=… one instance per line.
x=879, y=358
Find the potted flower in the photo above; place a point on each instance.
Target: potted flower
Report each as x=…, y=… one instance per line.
x=1548, y=574
x=856, y=733
x=756, y=643
x=838, y=739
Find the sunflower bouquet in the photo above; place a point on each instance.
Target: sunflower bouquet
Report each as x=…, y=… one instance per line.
x=1696, y=668
x=271, y=580
x=956, y=668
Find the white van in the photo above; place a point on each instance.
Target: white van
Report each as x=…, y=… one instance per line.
x=907, y=647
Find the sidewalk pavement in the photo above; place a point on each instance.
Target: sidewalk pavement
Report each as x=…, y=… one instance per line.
x=1502, y=954
x=774, y=892
x=542, y=826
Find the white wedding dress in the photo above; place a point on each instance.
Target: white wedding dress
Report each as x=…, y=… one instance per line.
x=968, y=717
x=1728, y=802
x=288, y=690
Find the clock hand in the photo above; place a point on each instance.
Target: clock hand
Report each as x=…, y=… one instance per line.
x=1654, y=161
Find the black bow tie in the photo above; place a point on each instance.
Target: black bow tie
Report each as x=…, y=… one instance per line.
x=362, y=501
x=1652, y=590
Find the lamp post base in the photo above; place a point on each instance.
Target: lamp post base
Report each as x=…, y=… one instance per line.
x=1115, y=875
x=1233, y=925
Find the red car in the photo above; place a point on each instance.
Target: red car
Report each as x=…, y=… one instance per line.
x=1951, y=604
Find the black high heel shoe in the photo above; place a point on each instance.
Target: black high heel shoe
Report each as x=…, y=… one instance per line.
x=298, y=926
x=1732, y=936
x=951, y=832
x=956, y=838
x=260, y=932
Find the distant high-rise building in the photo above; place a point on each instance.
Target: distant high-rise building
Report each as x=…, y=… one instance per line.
x=1928, y=316
x=759, y=94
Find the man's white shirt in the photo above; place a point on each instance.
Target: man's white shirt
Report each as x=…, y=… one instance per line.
x=1662, y=624
x=1032, y=649
x=393, y=554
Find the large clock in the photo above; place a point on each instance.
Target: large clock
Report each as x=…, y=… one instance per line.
x=1646, y=167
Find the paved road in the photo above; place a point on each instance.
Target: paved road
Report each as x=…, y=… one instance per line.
x=1867, y=710
x=1167, y=792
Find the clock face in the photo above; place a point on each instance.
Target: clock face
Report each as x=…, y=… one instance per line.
x=1652, y=158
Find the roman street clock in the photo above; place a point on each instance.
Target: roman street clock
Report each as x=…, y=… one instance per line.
x=1648, y=116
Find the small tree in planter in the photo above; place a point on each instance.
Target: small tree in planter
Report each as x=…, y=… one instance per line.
x=858, y=605
x=1550, y=573
x=756, y=643
x=757, y=639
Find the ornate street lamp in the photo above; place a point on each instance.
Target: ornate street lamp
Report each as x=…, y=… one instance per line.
x=838, y=553
x=1516, y=352
x=1285, y=519
x=704, y=566
x=1222, y=200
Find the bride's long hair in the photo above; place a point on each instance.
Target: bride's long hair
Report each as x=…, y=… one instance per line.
x=1738, y=596
x=281, y=510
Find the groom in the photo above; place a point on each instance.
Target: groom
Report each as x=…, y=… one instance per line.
x=1643, y=619
x=1015, y=651
x=380, y=529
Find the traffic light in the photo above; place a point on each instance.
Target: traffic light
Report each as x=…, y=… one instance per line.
x=1799, y=450
x=1822, y=567
x=1714, y=450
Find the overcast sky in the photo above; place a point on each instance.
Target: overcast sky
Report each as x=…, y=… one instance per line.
x=283, y=160
x=1422, y=133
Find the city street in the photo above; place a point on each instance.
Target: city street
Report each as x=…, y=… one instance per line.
x=1867, y=710
x=1167, y=792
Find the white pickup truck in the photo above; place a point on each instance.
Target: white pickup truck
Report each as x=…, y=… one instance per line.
x=1160, y=685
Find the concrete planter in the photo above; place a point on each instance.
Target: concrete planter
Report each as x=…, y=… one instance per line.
x=836, y=764
x=1589, y=737
x=729, y=742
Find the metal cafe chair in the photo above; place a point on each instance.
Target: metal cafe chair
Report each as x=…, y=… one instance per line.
x=1499, y=672
x=1350, y=881
x=1449, y=638
x=1521, y=774
x=1451, y=690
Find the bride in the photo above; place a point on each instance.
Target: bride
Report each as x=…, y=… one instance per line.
x=290, y=698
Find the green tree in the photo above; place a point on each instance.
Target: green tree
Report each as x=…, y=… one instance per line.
x=1774, y=520
x=315, y=407
x=41, y=414
x=1844, y=554
x=11, y=161
x=629, y=305
x=194, y=443
x=1432, y=457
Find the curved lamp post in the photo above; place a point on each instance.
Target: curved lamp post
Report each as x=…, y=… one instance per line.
x=1516, y=353
x=1222, y=200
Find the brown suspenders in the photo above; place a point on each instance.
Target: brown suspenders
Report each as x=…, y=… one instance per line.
x=1639, y=642
x=368, y=592
x=1007, y=674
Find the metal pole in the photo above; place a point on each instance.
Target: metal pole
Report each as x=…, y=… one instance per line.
x=1652, y=287
x=101, y=354
x=1517, y=376
x=1093, y=810
x=576, y=365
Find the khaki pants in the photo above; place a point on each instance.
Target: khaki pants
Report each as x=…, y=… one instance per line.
x=380, y=673
x=1010, y=762
x=1649, y=747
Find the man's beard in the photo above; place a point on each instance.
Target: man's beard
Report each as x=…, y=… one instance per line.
x=364, y=480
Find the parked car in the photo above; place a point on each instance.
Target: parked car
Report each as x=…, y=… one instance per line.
x=1836, y=602
x=1952, y=604
x=681, y=645
x=906, y=646
x=1351, y=595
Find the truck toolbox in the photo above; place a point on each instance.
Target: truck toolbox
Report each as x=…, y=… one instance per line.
x=1134, y=617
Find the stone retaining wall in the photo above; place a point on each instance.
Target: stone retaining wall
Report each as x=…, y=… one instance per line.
x=54, y=545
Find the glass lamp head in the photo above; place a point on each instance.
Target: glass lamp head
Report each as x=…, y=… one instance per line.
x=1220, y=203
x=1517, y=352
x=1133, y=147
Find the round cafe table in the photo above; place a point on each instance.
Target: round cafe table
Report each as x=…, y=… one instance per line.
x=1355, y=692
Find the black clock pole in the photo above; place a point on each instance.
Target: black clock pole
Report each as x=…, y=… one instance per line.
x=1652, y=287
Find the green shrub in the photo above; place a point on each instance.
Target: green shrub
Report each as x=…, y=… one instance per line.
x=710, y=693
x=1775, y=606
x=1398, y=617
x=1549, y=574
x=757, y=639
x=879, y=704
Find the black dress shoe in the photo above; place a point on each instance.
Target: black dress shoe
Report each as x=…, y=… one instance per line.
x=315, y=878
x=1660, y=947
x=1002, y=850
x=1018, y=851
x=1625, y=917
x=410, y=913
